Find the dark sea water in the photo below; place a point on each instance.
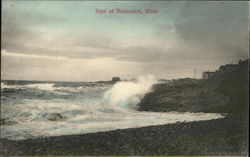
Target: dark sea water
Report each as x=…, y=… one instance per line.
x=85, y=107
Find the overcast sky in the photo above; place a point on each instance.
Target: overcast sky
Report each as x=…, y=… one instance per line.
x=68, y=41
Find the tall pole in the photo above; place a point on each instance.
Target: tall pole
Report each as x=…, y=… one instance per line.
x=194, y=72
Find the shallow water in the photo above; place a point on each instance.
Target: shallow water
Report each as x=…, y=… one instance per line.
x=87, y=108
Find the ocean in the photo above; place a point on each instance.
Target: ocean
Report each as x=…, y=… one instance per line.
x=82, y=107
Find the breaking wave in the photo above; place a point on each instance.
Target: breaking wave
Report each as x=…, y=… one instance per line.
x=126, y=95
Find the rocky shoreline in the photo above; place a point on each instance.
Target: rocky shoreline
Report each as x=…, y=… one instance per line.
x=226, y=136
x=226, y=92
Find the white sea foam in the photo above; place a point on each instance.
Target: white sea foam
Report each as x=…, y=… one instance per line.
x=93, y=122
x=125, y=95
x=52, y=87
x=41, y=86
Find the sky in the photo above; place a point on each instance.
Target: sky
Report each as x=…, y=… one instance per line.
x=69, y=41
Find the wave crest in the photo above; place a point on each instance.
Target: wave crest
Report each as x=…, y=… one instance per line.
x=41, y=86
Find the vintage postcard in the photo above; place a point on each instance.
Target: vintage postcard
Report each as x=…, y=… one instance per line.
x=124, y=78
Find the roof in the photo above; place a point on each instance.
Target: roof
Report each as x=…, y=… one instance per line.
x=208, y=72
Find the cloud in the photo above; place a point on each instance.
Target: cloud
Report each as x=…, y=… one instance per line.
x=220, y=26
x=22, y=25
x=183, y=36
x=43, y=67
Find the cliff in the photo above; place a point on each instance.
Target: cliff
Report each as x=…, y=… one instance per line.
x=225, y=92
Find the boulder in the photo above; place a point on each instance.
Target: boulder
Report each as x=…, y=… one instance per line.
x=56, y=117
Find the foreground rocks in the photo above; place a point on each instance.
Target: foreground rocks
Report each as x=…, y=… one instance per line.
x=227, y=136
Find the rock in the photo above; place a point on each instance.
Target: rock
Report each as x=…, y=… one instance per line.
x=56, y=117
x=116, y=79
x=8, y=121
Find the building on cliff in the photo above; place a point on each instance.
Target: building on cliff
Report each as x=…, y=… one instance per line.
x=115, y=79
x=207, y=74
x=228, y=67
